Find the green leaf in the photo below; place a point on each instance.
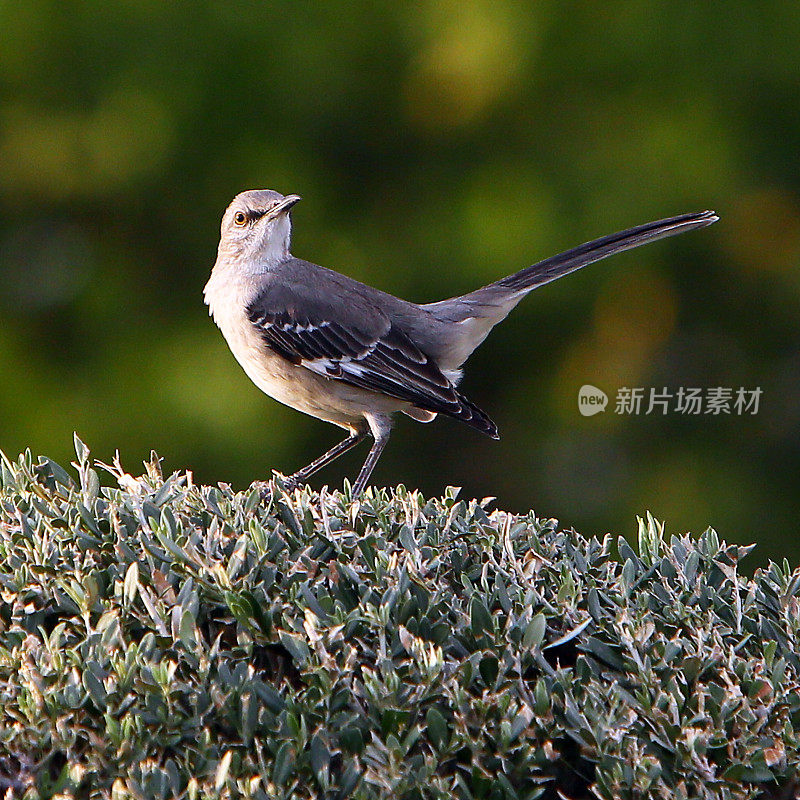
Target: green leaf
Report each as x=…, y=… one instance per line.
x=437, y=727
x=352, y=740
x=521, y=723
x=284, y=764
x=489, y=667
x=534, y=632
x=240, y=607
x=407, y=539
x=131, y=583
x=187, y=629
x=320, y=759
x=272, y=700
x=175, y=549
x=480, y=618
x=749, y=774
x=60, y=474
x=628, y=574
x=542, y=698
x=297, y=647
x=81, y=450
x=605, y=653
x=350, y=780
x=264, y=621
x=95, y=688
x=691, y=565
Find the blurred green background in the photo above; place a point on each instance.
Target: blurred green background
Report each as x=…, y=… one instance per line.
x=438, y=146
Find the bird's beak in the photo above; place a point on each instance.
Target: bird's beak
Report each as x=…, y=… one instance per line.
x=284, y=205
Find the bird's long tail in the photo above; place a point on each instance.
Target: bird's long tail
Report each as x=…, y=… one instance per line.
x=571, y=260
x=481, y=310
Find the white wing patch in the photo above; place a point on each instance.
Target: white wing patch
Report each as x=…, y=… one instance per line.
x=330, y=368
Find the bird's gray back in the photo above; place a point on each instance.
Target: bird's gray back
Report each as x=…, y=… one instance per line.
x=360, y=305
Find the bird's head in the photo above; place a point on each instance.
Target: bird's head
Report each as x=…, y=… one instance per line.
x=256, y=226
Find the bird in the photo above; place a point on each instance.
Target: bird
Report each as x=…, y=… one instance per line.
x=352, y=355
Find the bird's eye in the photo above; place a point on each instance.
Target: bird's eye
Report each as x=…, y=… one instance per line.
x=240, y=218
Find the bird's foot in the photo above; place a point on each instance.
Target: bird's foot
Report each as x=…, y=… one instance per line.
x=264, y=489
x=291, y=482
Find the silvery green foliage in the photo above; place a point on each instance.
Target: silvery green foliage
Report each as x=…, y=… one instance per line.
x=160, y=639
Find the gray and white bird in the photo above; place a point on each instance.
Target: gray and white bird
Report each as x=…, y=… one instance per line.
x=346, y=353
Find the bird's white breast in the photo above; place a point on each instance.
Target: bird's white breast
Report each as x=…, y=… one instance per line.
x=228, y=298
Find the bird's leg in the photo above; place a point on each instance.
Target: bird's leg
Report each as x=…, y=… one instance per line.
x=381, y=437
x=304, y=474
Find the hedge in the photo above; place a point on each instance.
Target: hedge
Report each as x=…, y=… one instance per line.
x=160, y=639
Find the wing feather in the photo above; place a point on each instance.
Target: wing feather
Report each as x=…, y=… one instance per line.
x=369, y=351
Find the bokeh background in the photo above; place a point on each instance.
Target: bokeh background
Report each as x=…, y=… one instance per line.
x=438, y=146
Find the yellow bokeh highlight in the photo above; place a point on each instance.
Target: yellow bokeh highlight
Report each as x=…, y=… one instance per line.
x=472, y=56
x=77, y=152
x=763, y=235
x=634, y=315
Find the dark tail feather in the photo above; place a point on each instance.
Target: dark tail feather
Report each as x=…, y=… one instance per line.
x=564, y=263
x=470, y=413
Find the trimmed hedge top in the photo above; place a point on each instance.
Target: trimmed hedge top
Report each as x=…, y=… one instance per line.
x=160, y=639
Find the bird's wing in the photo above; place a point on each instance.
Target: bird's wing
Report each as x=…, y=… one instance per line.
x=346, y=338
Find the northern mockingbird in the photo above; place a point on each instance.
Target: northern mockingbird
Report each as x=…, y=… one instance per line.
x=352, y=355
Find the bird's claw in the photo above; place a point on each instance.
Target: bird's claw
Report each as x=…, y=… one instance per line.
x=264, y=489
